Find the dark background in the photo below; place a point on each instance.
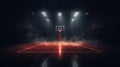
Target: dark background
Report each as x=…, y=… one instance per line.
x=15, y=13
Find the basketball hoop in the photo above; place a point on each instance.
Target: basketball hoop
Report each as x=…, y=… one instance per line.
x=59, y=28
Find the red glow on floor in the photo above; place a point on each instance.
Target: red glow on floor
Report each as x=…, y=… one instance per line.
x=59, y=47
x=60, y=50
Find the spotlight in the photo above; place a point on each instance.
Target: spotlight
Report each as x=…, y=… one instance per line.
x=59, y=14
x=76, y=14
x=44, y=14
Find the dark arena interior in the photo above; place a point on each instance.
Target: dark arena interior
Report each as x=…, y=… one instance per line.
x=59, y=33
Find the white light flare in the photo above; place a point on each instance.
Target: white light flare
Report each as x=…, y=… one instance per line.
x=44, y=14
x=59, y=14
x=75, y=16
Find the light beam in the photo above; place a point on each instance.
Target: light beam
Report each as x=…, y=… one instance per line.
x=48, y=20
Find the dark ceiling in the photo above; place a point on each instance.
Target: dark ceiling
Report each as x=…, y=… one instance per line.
x=14, y=12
